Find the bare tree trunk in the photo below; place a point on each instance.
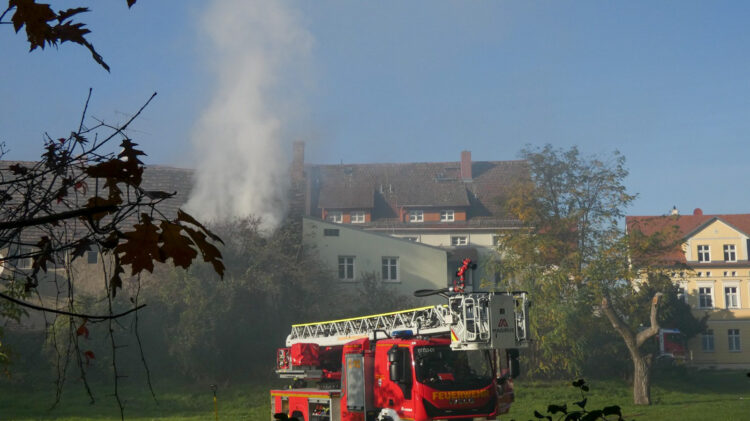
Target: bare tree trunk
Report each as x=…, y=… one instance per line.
x=641, y=379
x=633, y=340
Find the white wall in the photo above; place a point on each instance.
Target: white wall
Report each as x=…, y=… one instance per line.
x=420, y=266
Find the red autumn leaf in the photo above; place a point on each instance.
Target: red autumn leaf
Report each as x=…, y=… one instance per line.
x=18, y=169
x=83, y=331
x=209, y=252
x=65, y=14
x=81, y=247
x=176, y=245
x=81, y=185
x=96, y=202
x=140, y=249
x=186, y=217
x=89, y=356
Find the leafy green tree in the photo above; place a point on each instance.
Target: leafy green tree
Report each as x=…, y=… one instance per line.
x=580, y=265
x=569, y=206
x=217, y=331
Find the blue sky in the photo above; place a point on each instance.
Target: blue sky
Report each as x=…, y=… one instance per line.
x=667, y=83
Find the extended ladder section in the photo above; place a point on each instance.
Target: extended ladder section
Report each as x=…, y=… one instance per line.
x=473, y=321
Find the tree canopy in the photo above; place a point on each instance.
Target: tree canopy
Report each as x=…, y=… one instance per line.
x=581, y=266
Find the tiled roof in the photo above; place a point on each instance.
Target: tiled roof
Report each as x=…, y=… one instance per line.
x=684, y=226
x=385, y=188
x=155, y=178
x=170, y=180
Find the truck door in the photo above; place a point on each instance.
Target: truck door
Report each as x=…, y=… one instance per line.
x=395, y=380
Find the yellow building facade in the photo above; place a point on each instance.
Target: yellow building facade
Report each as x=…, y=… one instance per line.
x=716, y=282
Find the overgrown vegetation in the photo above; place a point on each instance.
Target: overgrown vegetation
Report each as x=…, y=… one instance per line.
x=198, y=328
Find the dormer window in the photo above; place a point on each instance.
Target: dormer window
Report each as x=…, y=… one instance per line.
x=730, y=253
x=416, y=216
x=358, y=217
x=704, y=253
x=335, y=216
x=447, y=215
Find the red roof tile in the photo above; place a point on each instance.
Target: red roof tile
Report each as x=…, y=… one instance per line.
x=684, y=226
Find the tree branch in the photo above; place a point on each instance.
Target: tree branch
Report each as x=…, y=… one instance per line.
x=57, y=217
x=644, y=335
x=91, y=317
x=619, y=326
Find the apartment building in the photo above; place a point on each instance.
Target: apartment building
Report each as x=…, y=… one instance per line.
x=716, y=251
x=457, y=206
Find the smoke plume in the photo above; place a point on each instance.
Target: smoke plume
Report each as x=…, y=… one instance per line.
x=242, y=161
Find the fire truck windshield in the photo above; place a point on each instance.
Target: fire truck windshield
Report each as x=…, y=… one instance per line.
x=442, y=368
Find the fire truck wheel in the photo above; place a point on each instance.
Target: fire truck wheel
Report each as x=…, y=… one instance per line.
x=388, y=414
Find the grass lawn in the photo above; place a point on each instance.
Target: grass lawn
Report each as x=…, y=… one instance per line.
x=705, y=395
x=702, y=395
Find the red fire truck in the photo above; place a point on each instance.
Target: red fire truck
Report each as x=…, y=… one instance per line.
x=430, y=363
x=672, y=347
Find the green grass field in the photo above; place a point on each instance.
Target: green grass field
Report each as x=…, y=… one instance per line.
x=704, y=395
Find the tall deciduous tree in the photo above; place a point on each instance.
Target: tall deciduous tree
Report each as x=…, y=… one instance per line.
x=576, y=260
x=569, y=207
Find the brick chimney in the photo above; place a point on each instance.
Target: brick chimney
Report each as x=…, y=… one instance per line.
x=298, y=161
x=466, y=165
x=298, y=188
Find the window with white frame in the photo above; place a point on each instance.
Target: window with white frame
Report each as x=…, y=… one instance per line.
x=704, y=253
x=734, y=340
x=24, y=262
x=707, y=341
x=730, y=253
x=335, y=217
x=705, y=297
x=346, y=268
x=731, y=296
x=92, y=257
x=682, y=292
x=447, y=216
x=358, y=217
x=416, y=216
x=459, y=240
x=390, y=269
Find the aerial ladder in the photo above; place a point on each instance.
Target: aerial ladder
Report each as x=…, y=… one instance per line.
x=401, y=365
x=473, y=321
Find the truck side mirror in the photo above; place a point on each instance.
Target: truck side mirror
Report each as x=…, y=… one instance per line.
x=393, y=354
x=395, y=370
x=514, y=366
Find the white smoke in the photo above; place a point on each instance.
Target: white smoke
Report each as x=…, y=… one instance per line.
x=241, y=161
